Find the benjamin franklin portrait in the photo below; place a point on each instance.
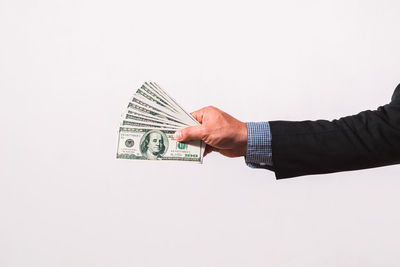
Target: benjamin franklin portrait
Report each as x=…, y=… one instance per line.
x=153, y=144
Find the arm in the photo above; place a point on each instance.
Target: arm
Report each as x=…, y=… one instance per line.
x=366, y=140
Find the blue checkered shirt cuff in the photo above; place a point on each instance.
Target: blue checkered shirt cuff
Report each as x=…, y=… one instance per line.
x=259, y=145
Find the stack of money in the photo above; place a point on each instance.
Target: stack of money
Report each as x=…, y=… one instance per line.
x=148, y=125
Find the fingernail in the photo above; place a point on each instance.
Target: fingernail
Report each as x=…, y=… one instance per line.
x=178, y=135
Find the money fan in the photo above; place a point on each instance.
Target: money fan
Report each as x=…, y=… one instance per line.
x=148, y=125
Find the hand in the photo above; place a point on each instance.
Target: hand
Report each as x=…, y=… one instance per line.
x=220, y=131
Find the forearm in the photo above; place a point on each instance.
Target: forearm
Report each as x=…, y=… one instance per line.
x=366, y=140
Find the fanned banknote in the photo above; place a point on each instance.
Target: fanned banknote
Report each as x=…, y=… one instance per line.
x=148, y=125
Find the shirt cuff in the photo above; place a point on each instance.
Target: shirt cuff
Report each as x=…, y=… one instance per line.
x=259, y=145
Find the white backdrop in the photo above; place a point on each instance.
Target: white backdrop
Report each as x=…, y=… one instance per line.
x=67, y=70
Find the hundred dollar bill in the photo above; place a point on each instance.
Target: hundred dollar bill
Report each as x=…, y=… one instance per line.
x=155, y=144
x=158, y=88
x=139, y=119
x=140, y=100
x=194, y=121
x=147, y=109
x=159, y=95
x=152, y=96
x=148, y=116
x=133, y=124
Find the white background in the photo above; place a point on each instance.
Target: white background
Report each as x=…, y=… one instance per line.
x=68, y=69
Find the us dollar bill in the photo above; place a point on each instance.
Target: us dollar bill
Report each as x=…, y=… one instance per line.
x=133, y=124
x=148, y=110
x=155, y=85
x=140, y=100
x=152, y=96
x=193, y=122
x=144, y=120
x=154, y=91
x=148, y=116
x=141, y=143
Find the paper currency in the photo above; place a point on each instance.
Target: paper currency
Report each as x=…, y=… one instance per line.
x=148, y=125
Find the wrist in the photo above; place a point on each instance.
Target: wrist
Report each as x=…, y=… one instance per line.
x=243, y=138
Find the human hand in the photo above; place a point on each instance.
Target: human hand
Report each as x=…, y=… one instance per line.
x=220, y=131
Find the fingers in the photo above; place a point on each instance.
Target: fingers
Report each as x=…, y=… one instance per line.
x=209, y=149
x=198, y=115
x=189, y=133
x=230, y=153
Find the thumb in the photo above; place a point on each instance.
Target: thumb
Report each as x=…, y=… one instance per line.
x=189, y=133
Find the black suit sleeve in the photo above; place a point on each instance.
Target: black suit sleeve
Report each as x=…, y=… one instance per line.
x=366, y=140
